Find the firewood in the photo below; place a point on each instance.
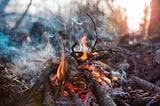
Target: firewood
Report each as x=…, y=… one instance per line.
x=101, y=95
x=145, y=84
x=47, y=69
x=75, y=98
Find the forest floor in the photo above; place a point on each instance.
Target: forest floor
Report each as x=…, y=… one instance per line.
x=140, y=59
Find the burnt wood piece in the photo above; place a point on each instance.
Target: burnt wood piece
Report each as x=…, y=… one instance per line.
x=145, y=84
x=46, y=71
x=75, y=98
x=101, y=95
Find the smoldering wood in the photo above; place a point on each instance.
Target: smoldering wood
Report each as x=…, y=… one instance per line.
x=75, y=98
x=46, y=71
x=145, y=84
x=101, y=95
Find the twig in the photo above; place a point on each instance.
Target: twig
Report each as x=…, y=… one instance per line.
x=77, y=101
x=101, y=95
x=73, y=46
x=26, y=88
x=94, y=25
x=21, y=19
x=58, y=89
x=145, y=84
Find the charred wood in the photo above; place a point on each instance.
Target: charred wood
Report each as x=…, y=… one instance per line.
x=101, y=95
x=75, y=98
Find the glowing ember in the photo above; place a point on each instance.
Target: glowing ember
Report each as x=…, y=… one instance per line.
x=94, y=53
x=89, y=67
x=114, y=78
x=71, y=87
x=83, y=40
x=65, y=93
x=60, y=70
x=134, y=10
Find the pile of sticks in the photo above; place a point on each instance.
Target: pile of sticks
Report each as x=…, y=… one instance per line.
x=72, y=62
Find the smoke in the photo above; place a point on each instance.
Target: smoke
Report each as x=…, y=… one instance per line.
x=6, y=46
x=68, y=17
x=27, y=57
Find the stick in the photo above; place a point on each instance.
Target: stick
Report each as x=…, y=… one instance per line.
x=47, y=69
x=145, y=84
x=59, y=88
x=94, y=25
x=75, y=98
x=103, y=98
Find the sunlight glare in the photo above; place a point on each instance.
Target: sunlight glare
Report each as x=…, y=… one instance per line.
x=134, y=12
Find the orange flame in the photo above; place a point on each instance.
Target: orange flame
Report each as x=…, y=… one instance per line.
x=83, y=40
x=60, y=71
x=99, y=76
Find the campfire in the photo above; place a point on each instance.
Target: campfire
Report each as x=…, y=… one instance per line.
x=85, y=78
x=73, y=62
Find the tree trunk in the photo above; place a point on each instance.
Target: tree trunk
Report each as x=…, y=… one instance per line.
x=155, y=17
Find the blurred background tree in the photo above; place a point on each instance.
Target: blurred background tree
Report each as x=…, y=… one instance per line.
x=155, y=17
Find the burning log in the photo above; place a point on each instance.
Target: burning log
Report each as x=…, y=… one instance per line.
x=145, y=84
x=103, y=98
x=46, y=71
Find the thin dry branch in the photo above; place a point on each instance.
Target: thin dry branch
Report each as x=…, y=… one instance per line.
x=94, y=25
